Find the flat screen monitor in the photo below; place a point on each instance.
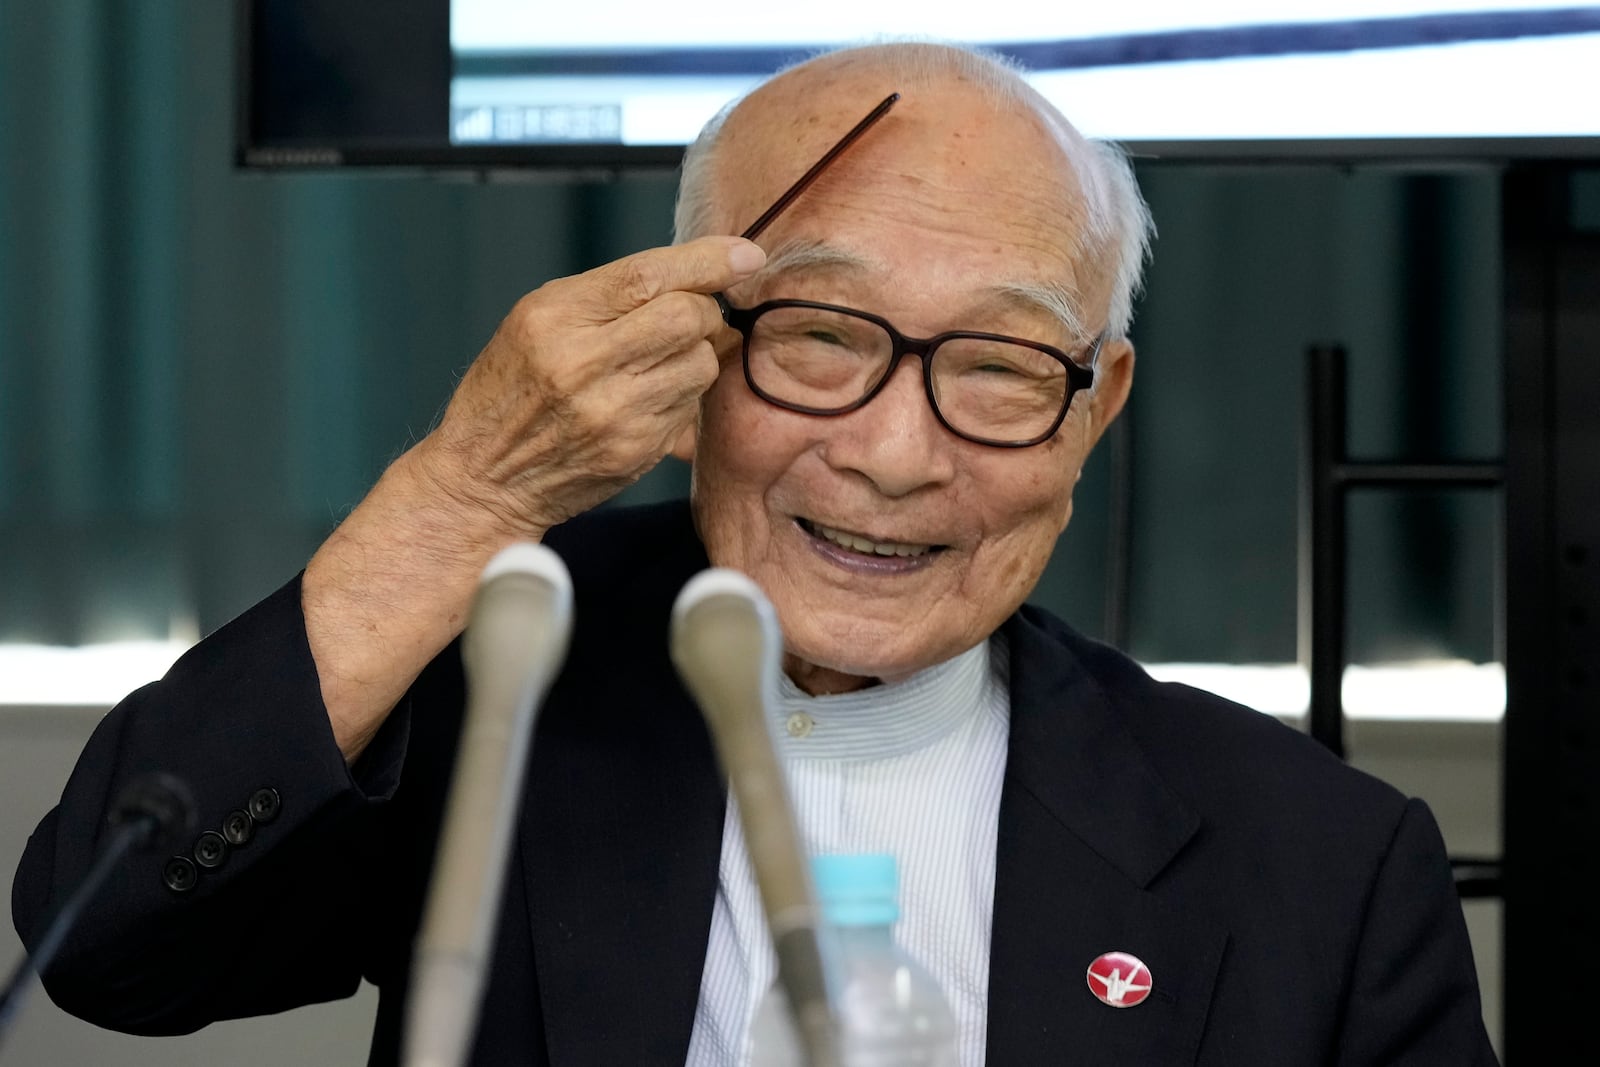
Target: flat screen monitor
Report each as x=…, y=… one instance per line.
x=616, y=84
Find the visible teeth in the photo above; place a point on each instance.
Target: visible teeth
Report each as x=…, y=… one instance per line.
x=861, y=544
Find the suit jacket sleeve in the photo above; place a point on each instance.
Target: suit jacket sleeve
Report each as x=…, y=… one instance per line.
x=300, y=905
x=1413, y=992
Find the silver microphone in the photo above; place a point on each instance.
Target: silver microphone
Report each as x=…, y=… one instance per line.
x=515, y=642
x=727, y=645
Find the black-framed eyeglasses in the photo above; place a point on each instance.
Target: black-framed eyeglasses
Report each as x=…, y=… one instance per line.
x=822, y=359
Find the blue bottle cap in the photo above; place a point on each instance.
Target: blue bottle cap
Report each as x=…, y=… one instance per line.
x=859, y=890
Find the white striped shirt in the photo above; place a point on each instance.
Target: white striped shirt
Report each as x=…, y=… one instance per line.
x=913, y=769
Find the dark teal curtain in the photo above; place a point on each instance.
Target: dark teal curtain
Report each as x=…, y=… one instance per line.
x=1401, y=265
x=201, y=370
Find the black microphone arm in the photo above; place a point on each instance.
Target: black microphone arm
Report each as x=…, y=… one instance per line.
x=153, y=811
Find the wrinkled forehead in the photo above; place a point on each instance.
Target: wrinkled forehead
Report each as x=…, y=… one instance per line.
x=946, y=125
x=950, y=157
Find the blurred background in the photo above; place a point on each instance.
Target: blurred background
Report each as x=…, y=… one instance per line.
x=203, y=369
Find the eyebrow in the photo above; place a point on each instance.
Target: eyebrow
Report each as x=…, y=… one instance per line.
x=1055, y=299
x=799, y=256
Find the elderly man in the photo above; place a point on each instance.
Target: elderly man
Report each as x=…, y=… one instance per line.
x=897, y=499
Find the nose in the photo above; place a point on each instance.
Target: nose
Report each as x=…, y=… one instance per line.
x=895, y=441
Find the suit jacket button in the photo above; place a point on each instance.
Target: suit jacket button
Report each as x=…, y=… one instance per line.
x=211, y=850
x=264, y=805
x=179, y=874
x=238, y=828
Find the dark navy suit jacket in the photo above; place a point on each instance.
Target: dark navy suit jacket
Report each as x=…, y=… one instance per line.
x=1291, y=910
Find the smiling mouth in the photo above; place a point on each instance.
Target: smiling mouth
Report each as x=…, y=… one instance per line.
x=865, y=546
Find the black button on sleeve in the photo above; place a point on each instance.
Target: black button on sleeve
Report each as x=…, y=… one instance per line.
x=179, y=874
x=211, y=849
x=238, y=828
x=264, y=805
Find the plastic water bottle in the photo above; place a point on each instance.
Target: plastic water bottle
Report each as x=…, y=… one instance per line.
x=891, y=1011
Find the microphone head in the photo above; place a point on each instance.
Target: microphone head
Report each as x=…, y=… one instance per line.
x=726, y=640
x=720, y=582
x=536, y=561
x=521, y=618
x=163, y=803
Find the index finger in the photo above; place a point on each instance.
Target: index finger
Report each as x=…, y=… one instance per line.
x=704, y=265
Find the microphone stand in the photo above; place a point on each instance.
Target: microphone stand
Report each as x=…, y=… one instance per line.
x=513, y=647
x=726, y=644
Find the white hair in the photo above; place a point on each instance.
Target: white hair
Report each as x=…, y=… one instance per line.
x=1117, y=228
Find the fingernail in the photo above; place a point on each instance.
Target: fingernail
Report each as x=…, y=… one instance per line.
x=746, y=257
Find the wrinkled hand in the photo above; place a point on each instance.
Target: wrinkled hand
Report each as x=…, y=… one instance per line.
x=587, y=384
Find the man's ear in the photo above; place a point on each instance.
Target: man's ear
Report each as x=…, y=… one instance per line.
x=1113, y=378
x=683, y=447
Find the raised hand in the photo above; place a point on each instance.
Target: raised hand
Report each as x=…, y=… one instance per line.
x=585, y=386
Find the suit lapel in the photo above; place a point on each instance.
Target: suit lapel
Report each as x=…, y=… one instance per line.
x=622, y=873
x=623, y=829
x=1086, y=825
